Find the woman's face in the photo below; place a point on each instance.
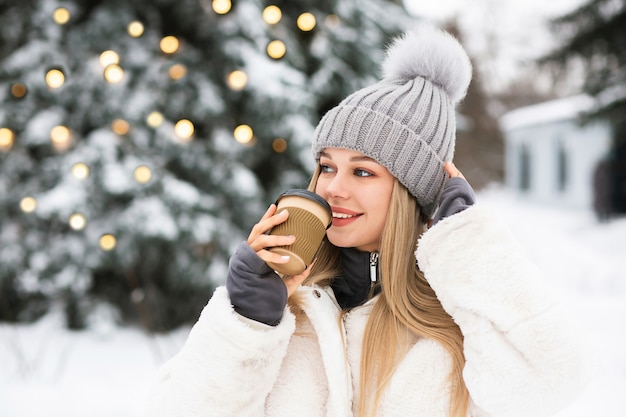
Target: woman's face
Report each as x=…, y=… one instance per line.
x=358, y=190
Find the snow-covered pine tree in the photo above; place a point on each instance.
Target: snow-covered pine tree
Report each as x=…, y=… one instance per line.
x=141, y=139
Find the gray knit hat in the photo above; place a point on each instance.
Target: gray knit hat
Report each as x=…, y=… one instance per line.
x=406, y=122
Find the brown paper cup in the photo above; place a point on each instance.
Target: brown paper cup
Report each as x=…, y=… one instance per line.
x=309, y=217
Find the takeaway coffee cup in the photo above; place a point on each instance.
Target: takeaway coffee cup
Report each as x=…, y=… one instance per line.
x=309, y=217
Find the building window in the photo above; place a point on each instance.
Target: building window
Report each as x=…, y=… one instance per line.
x=524, y=164
x=562, y=168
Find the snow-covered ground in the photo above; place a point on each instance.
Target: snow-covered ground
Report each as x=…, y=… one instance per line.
x=106, y=371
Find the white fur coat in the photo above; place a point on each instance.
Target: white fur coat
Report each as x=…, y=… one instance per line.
x=523, y=358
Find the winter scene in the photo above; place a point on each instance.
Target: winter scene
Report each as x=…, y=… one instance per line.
x=141, y=141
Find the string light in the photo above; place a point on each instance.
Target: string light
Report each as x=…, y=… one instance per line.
x=7, y=138
x=177, y=71
x=135, y=28
x=154, y=119
x=61, y=15
x=137, y=295
x=276, y=49
x=332, y=21
x=306, y=22
x=60, y=137
x=80, y=170
x=77, y=221
x=221, y=6
x=113, y=73
x=55, y=78
x=237, y=80
x=184, y=129
x=169, y=44
x=142, y=174
x=272, y=15
x=107, y=242
x=28, y=204
x=109, y=57
x=18, y=90
x=279, y=145
x=243, y=134
x=120, y=126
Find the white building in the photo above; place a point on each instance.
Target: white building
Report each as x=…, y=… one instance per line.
x=549, y=156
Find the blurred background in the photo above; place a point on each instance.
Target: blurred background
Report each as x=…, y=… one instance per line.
x=141, y=139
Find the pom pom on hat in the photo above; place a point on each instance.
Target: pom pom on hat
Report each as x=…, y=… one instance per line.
x=432, y=54
x=406, y=122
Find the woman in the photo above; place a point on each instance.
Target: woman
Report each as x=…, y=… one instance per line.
x=459, y=327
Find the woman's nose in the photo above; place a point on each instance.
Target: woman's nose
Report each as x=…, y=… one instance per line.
x=337, y=187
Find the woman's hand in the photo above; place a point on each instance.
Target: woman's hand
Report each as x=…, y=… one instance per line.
x=452, y=170
x=260, y=241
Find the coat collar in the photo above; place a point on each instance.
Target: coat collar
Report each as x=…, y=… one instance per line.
x=354, y=286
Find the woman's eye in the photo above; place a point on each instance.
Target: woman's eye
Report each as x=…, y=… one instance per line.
x=325, y=169
x=362, y=173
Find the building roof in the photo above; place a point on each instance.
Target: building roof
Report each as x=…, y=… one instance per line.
x=546, y=112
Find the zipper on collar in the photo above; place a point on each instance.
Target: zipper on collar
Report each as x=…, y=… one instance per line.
x=373, y=272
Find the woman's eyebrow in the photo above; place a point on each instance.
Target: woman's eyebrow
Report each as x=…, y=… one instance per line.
x=362, y=158
x=353, y=159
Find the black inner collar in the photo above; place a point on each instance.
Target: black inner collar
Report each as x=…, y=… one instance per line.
x=352, y=286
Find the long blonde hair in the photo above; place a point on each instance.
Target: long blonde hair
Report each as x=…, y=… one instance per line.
x=407, y=308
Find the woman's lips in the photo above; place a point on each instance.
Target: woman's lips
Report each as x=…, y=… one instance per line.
x=343, y=217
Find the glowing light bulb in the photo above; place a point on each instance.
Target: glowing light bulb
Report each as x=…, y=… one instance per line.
x=221, y=6
x=306, y=22
x=60, y=134
x=184, y=129
x=332, y=21
x=7, y=138
x=109, y=57
x=120, y=126
x=135, y=28
x=243, y=134
x=113, y=73
x=177, y=71
x=28, y=204
x=61, y=15
x=237, y=80
x=61, y=138
x=279, y=145
x=18, y=90
x=276, y=49
x=80, y=170
x=272, y=15
x=154, y=119
x=142, y=174
x=107, y=242
x=137, y=295
x=77, y=221
x=169, y=44
x=55, y=78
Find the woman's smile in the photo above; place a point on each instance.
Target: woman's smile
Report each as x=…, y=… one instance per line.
x=343, y=217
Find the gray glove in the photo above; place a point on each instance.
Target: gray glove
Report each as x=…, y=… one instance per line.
x=255, y=290
x=457, y=195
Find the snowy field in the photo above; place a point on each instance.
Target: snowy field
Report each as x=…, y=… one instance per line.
x=106, y=372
